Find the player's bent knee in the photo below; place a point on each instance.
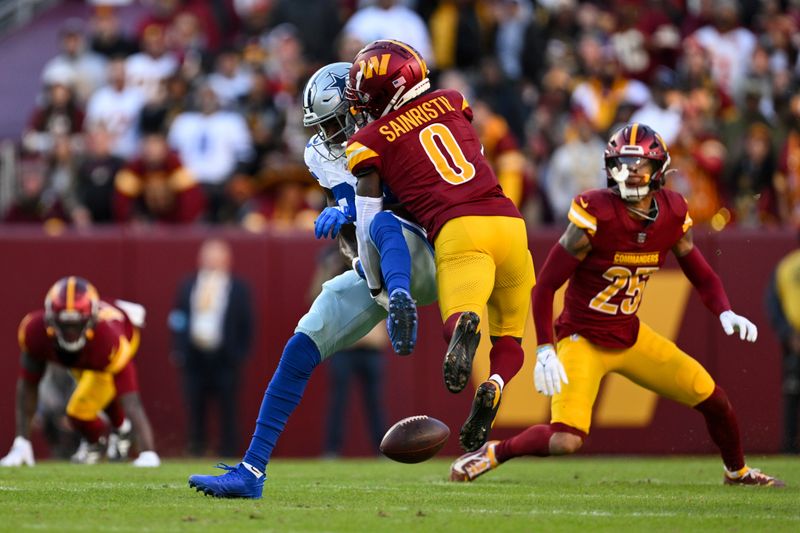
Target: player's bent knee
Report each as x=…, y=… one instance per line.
x=562, y=443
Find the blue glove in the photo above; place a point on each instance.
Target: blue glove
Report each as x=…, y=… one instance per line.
x=330, y=221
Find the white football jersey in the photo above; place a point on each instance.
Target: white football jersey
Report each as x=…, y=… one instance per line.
x=333, y=175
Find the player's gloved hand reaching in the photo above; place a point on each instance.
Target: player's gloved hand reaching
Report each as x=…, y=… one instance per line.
x=549, y=372
x=732, y=322
x=330, y=221
x=21, y=453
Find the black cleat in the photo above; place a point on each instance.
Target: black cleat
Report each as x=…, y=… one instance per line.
x=476, y=429
x=457, y=365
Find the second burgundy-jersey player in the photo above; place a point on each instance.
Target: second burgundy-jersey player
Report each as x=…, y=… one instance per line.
x=617, y=238
x=96, y=341
x=422, y=146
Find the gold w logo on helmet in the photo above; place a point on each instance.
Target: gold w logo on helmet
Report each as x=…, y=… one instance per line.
x=374, y=65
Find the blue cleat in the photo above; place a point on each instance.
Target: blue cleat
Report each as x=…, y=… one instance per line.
x=237, y=482
x=402, y=322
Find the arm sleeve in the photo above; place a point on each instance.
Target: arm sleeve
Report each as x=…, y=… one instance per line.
x=557, y=269
x=775, y=312
x=705, y=280
x=366, y=209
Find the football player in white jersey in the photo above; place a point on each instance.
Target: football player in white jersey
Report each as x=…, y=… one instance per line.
x=399, y=270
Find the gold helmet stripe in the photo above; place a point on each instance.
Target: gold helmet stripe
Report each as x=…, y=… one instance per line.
x=411, y=51
x=70, y=293
x=634, y=132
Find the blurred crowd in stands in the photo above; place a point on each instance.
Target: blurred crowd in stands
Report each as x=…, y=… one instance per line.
x=196, y=116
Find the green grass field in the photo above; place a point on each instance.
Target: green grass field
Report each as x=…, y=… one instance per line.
x=570, y=494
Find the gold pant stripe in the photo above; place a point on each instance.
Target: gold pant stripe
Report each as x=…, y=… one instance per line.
x=94, y=392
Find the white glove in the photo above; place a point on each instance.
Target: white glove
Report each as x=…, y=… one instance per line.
x=549, y=372
x=148, y=459
x=732, y=322
x=21, y=453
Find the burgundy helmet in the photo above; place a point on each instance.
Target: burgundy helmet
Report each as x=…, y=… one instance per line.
x=385, y=75
x=70, y=312
x=636, y=149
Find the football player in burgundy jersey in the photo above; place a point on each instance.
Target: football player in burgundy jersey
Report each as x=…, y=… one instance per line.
x=422, y=146
x=617, y=238
x=97, y=342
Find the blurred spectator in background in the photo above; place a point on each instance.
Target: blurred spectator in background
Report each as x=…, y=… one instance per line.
x=320, y=21
x=173, y=98
x=146, y=69
x=729, y=45
x=106, y=35
x=36, y=203
x=605, y=86
x=574, y=166
x=390, y=19
x=231, y=80
x=749, y=182
x=783, y=308
x=363, y=361
x=787, y=181
x=59, y=114
x=212, y=326
x=156, y=187
x=215, y=144
x=459, y=31
x=115, y=108
x=663, y=112
x=94, y=182
x=84, y=67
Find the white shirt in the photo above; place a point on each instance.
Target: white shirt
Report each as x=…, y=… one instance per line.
x=398, y=22
x=208, y=301
x=731, y=54
x=210, y=146
x=228, y=90
x=667, y=122
x=574, y=168
x=118, y=113
x=146, y=72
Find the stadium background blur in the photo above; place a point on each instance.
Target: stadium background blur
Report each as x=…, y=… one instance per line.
x=548, y=80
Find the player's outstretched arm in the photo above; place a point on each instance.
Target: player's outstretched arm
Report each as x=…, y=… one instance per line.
x=21, y=452
x=562, y=261
x=710, y=288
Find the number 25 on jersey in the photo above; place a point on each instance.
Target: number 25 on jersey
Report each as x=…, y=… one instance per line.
x=622, y=278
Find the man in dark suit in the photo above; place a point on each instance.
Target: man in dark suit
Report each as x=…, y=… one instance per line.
x=212, y=326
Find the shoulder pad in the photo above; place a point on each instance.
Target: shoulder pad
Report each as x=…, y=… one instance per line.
x=589, y=207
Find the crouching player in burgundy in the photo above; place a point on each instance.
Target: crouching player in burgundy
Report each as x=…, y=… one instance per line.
x=616, y=239
x=96, y=341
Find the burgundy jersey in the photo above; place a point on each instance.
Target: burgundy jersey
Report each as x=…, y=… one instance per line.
x=109, y=347
x=429, y=155
x=605, y=291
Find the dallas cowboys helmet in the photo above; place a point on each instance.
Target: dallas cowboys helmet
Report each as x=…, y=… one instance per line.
x=326, y=110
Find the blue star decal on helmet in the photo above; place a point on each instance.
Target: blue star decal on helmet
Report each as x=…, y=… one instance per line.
x=337, y=83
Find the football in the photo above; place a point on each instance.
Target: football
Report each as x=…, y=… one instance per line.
x=414, y=439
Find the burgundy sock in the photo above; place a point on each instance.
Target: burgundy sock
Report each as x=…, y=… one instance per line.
x=723, y=428
x=91, y=430
x=533, y=441
x=450, y=327
x=116, y=415
x=506, y=358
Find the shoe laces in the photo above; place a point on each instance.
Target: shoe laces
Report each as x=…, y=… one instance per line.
x=227, y=468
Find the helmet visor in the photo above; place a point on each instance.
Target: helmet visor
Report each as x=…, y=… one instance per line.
x=70, y=327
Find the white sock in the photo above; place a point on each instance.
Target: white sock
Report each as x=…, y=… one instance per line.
x=253, y=470
x=124, y=427
x=497, y=379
